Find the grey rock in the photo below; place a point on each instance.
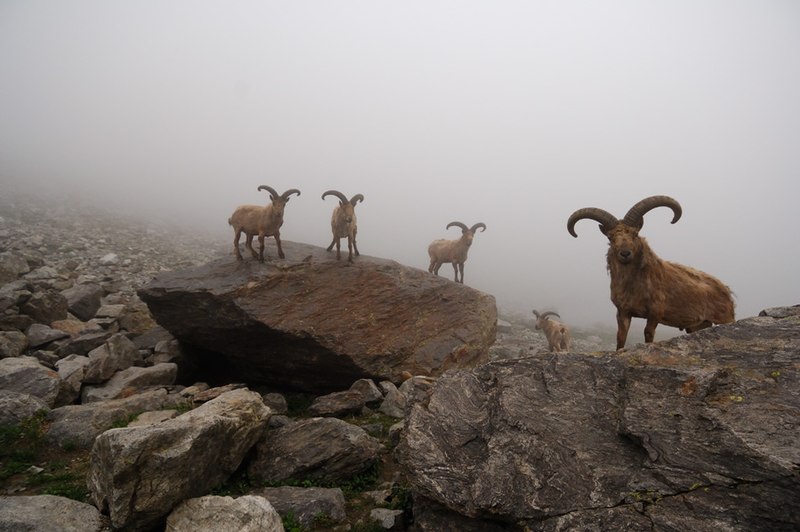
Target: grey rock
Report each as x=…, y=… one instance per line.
x=45, y=306
x=337, y=404
x=696, y=433
x=12, y=265
x=249, y=513
x=27, y=375
x=128, y=380
x=306, y=504
x=781, y=312
x=84, y=300
x=276, y=403
x=153, y=417
x=42, y=273
x=387, y=518
x=71, y=370
x=79, y=425
x=84, y=343
x=140, y=474
x=40, y=334
x=116, y=354
x=394, y=404
x=49, y=513
x=368, y=389
x=16, y=407
x=316, y=448
x=12, y=343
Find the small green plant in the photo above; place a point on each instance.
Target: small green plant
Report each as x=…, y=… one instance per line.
x=20, y=444
x=775, y=374
x=291, y=523
x=182, y=408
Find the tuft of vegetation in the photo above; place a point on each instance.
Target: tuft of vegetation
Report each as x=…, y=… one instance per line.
x=26, y=462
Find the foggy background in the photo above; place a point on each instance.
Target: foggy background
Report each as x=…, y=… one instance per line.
x=514, y=114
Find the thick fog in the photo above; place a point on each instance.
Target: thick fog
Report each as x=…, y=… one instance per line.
x=514, y=114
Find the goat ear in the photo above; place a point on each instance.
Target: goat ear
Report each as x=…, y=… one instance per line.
x=603, y=229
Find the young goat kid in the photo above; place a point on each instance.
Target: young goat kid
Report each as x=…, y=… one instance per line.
x=453, y=251
x=644, y=286
x=343, y=223
x=557, y=334
x=265, y=221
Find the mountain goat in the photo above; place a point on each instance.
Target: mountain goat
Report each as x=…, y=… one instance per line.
x=453, y=251
x=557, y=334
x=645, y=286
x=262, y=221
x=343, y=223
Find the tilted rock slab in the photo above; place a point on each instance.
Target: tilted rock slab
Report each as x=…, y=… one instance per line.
x=138, y=475
x=697, y=433
x=326, y=449
x=79, y=425
x=317, y=324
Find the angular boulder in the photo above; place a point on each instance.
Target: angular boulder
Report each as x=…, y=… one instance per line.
x=26, y=375
x=313, y=323
x=138, y=475
x=696, y=433
x=326, y=449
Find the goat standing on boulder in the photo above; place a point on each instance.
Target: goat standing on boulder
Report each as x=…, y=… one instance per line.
x=343, y=223
x=262, y=221
x=557, y=334
x=453, y=251
x=644, y=286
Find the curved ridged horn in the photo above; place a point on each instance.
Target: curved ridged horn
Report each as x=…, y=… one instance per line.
x=355, y=199
x=606, y=219
x=271, y=191
x=289, y=192
x=336, y=193
x=635, y=216
x=480, y=225
x=457, y=224
x=550, y=313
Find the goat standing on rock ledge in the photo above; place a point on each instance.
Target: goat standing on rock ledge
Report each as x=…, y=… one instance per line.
x=453, y=251
x=343, y=223
x=557, y=334
x=262, y=221
x=644, y=286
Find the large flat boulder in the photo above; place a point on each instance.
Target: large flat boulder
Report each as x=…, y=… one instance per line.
x=313, y=323
x=697, y=433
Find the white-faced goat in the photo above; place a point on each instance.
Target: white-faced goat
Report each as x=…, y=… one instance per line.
x=453, y=251
x=255, y=220
x=557, y=334
x=343, y=223
x=645, y=286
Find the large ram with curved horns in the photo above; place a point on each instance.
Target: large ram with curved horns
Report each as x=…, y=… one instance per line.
x=343, y=223
x=645, y=286
x=453, y=251
x=264, y=221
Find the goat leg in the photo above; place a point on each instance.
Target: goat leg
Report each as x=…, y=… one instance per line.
x=623, y=323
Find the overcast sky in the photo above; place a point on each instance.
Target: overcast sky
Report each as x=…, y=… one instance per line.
x=514, y=114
